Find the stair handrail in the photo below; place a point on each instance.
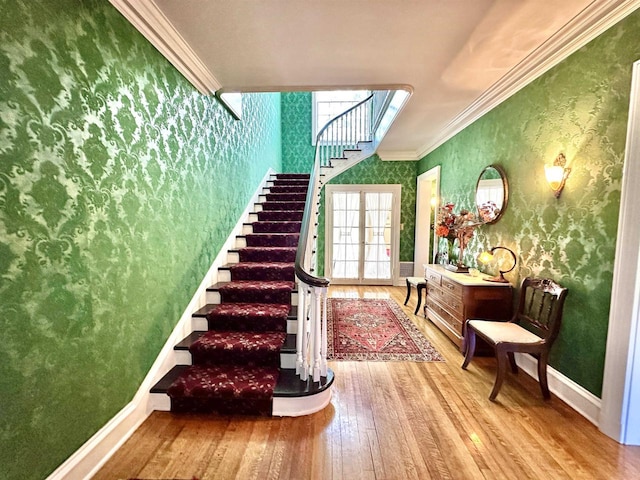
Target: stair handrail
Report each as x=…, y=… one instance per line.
x=301, y=273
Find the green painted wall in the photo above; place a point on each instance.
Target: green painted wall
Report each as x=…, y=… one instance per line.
x=119, y=183
x=297, y=152
x=580, y=107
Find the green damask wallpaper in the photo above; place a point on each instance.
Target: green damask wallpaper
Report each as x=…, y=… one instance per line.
x=374, y=171
x=298, y=155
x=297, y=152
x=119, y=183
x=580, y=107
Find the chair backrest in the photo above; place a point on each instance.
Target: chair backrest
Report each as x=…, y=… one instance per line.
x=540, y=307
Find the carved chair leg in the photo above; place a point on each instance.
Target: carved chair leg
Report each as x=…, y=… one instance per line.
x=406, y=300
x=542, y=375
x=512, y=362
x=501, y=357
x=470, y=345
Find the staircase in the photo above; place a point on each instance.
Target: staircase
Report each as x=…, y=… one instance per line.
x=241, y=356
x=259, y=346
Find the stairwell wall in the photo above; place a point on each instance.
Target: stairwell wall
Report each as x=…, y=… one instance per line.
x=298, y=153
x=580, y=108
x=119, y=184
x=298, y=156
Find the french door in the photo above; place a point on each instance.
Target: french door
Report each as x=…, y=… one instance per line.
x=362, y=233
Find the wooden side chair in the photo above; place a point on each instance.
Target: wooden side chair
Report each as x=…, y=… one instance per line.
x=540, y=311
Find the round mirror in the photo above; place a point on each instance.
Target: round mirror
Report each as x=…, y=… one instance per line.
x=492, y=193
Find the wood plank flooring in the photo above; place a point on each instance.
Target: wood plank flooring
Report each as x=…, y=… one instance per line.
x=387, y=420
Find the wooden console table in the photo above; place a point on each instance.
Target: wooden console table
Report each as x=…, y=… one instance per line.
x=454, y=297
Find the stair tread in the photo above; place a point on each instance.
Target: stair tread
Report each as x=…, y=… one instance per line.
x=216, y=287
x=256, y=264
x=221, y=339
x=204, y=311
x=186, y=342
x=289, y=345
x=222, y=381
x=289, y=384
x=171, y=376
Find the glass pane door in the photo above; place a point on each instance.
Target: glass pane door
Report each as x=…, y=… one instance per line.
x=377, y=236
x=361, y=239
x=346, y=235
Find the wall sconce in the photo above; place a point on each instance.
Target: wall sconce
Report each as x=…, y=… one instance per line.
x=557, y=174
x=486, y=257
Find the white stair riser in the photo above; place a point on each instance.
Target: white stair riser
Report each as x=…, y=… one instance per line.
x=183, y=357
x=287, y=360
x=241, y=242
x=200, y=324
x=214, y=297
x=160, y=402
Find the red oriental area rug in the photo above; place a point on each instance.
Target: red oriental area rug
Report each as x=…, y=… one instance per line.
x=374, y=330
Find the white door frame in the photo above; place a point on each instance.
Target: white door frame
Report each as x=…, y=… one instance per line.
x=620, y=408
x=396, y=191
x=423, y=237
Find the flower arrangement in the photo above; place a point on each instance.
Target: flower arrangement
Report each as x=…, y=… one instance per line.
x=454, y=226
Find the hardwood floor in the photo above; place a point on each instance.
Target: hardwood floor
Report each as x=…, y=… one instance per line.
x=391, y=420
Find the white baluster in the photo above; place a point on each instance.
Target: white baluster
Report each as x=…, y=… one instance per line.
x=302, y=303
x=316, y=333
x=323, y=340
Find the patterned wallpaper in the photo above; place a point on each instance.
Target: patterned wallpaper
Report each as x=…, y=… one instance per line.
x=375, y=171
x=119, y=183
x=580, y=107
x=297, y=152
x=298, y=155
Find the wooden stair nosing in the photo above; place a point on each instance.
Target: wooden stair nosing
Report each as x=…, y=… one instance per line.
x=290, y=385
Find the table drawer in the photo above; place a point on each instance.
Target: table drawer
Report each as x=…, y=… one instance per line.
x=433, y=277
x=454, y=323
x=452, y=287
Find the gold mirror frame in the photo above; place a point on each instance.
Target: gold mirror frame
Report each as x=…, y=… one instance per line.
x=490, y=180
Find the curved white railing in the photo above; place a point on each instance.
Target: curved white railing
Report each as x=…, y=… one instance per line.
x=350, y=137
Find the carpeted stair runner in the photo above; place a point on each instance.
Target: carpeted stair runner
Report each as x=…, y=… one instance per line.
x=235, y=364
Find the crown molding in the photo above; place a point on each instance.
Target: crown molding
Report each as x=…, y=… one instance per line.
x=398, y=155
x=149, y=20
x=594, y=20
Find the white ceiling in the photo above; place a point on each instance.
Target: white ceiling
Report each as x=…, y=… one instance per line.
x=458, y=56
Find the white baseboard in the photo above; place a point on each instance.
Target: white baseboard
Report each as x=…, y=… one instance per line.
x=578, y=398
x=88, y=459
